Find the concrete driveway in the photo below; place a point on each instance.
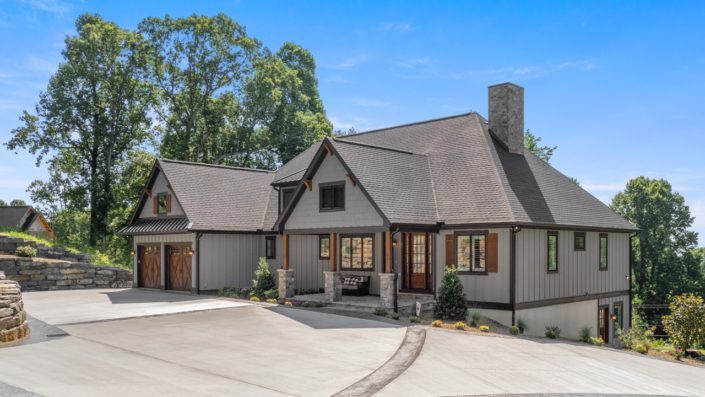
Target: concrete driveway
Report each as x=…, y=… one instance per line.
x=456, y=364
x=239, y=349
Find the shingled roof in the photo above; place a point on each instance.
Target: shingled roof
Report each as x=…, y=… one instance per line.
x=453, y=170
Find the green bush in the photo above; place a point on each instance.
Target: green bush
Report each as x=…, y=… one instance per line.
x=380, y=311
x=437, y=323
x=229, y=291
x=514, y=330
x=553, y=332
x=460, y=325
x=394, y=315
x=264, y=280
x=585, y=334
x=270, y=300
x=474, y=317
x=271, y=293
x=521, y=324
x=254, y=298
x=596, y=340
x=26, y=251
x=685, y=324
x=451, y=303
x=414, y=319
x=484, y=328
x=637, y=338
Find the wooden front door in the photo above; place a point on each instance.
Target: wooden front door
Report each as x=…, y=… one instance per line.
x=417, y=261
x=603, y=323
x=149, y=266
x=178, y=270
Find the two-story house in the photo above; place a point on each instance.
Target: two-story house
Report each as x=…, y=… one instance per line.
x=399, y=205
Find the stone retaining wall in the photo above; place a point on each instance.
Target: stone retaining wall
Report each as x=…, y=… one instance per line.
x=9, y=245
x=13, y=319
x=40, y=274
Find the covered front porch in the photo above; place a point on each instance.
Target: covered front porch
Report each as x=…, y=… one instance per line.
x=370, y=257
x=406, y=302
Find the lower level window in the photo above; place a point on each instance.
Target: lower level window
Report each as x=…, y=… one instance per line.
x=471, y=252
x=357, y=253
x=270, y=249
x=619, y=315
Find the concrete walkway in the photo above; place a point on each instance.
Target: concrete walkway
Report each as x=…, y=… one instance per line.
x=458, y=364
x=248, y=350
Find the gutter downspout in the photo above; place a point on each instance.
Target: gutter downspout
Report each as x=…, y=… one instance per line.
x=513, y=271
x=198, y=262
x=629, y=277
x=394, y=270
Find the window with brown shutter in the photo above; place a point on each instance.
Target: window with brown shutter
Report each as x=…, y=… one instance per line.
x=450, y=250
x=155, y=205
x=492, y=253
x=168, y=203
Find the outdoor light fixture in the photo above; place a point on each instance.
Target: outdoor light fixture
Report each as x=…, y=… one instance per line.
x=614, y=317
x=132, y=253
x=189, y=253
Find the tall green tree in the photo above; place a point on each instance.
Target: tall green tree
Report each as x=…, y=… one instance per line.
x=93, y=112
x=196, y=63
x=18, y=203
x=533, y=143
x=664, y=265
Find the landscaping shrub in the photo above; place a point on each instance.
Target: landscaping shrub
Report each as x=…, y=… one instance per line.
x=484, y=328
x=254, y=298
x=271, y=294
x=474, y=317
x=414, y=319
x=685, y=324
x=451, y=303
x=380, y=311
x=637, y=338
x=394, y=315
x=264, y=280
x=585, y=334
x=26, y=251
x=270, y=300
x=596, y=340
x=521, y=324
x=244, y=292
x=514, y=330
x=437, y=323
x=553, y=332
x=460, y=325
x=229, y=291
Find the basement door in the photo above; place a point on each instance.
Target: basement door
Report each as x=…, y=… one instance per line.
x=603, y=323
x=149, y=267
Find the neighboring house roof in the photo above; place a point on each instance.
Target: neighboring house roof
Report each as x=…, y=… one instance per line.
x=453, y=170
x=212, y=197
x=22, y=217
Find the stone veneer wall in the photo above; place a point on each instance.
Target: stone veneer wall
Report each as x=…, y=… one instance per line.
x=39, y=274
x=13, y=319
x=10, y=244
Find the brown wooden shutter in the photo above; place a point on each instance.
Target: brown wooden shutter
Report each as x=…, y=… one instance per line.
x=492, y=253
x=155, y=205
x=450, y=249
x=168, y=203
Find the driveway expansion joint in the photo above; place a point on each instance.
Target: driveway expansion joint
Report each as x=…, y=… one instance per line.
x=406, y=354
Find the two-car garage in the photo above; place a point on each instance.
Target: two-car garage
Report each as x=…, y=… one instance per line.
x=165, y=264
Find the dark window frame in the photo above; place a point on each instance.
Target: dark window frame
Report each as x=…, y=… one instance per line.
x=282, y=204
x=575, y=241
x=599, y=251
x=549, y=234
x=470, y=234
x=161, y=196
x=273, y=241
x=329, y=185
x=620, y=318
x=362, y=236
x=322, y=237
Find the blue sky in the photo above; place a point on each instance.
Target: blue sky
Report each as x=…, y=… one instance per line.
x=619, y=87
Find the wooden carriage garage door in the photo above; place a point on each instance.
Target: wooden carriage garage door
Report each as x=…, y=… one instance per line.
x=178, y=267
x=149, y=266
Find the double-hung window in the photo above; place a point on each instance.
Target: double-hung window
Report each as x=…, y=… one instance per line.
x=471, y=252
x=357, y=252
x=332, y=196
x=603, y=251
x=552, y=251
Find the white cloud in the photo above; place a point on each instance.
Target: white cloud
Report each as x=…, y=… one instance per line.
x=396, y=27
x=527, y=71
x=51, y=6
x=41, y=65
x=411, y=63
x=9, y=105
x=370, y=103
x=348, y=63
x=346, y=123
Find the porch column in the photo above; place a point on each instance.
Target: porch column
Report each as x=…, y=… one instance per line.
x=333, y=281
x=386, y=279
x=286, y=275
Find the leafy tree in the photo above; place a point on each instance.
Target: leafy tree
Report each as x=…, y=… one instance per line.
x=451, y=303
x=3, y=203
x=195, y=63
x=92, y=114
x=685, y=324
x=663, y=259
x=532, y=142
x=264, y=280
x=18, y=203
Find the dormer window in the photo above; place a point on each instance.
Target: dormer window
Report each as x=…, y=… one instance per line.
x=332, y=196
x=161, y=204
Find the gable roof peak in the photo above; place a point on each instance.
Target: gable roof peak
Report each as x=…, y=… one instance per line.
x=213, y=165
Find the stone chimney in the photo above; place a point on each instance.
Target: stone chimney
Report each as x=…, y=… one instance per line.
x=506, y=115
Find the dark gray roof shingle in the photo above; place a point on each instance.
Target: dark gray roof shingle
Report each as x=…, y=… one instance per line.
x=11, y=216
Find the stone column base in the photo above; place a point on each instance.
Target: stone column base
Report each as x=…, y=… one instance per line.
x=386, y=290
x=286, y=283
x=333, y=286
